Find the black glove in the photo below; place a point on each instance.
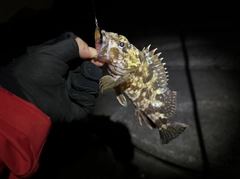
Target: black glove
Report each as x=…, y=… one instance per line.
x=43, y=79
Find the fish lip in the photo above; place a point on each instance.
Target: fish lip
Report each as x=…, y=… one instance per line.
x=103, y=34
x=104, y=39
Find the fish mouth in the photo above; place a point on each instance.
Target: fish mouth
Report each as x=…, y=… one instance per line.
x=101, y=43
x=105, y=40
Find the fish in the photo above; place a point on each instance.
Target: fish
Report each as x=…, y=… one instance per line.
x=141, y=76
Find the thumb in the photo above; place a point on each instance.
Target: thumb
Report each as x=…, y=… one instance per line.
x=85, y=52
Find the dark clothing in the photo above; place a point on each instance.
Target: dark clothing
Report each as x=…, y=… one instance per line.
x=36, y=89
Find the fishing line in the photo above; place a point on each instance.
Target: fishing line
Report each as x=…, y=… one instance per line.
x=94, y=11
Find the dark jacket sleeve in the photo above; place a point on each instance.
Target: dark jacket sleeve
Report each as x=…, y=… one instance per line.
x=23, y=131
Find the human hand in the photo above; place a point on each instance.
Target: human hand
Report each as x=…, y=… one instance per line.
x=86, y=52
x=44, y=78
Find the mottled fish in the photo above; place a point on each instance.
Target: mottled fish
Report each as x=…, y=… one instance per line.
x=142, y=77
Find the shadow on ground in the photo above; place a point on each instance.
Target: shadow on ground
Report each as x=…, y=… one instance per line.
x=95, y=148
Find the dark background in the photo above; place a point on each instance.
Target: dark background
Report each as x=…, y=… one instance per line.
x=32, y=24
x=29, y=26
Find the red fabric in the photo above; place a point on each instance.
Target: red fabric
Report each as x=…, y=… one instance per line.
x=23, y=131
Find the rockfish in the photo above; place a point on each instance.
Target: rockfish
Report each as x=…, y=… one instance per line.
x=142, y=77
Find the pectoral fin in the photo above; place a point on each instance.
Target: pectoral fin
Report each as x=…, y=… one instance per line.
x=108, y=81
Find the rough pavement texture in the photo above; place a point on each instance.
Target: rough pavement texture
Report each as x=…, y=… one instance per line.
x=213, y=60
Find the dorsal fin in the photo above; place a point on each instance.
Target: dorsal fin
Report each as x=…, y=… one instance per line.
x=155, y=64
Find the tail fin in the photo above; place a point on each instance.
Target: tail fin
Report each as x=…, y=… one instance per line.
x=171, y=130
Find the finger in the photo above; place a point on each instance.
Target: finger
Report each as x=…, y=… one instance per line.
x=93, y=53
x=85, y=52
x=83, y=99
x=80, y=83
x=90, y=71
x=98, y=63
x=82, y=103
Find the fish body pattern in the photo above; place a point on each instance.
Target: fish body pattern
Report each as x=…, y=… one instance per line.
x=142, y=77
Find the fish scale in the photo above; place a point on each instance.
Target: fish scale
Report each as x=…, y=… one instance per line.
x=142, y=77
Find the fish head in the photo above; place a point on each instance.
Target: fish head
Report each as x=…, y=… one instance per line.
x=118, y=53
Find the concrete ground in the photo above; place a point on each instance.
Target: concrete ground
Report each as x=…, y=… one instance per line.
x=205, y=73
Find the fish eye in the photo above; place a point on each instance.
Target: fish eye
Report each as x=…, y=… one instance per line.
x=121, y=44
